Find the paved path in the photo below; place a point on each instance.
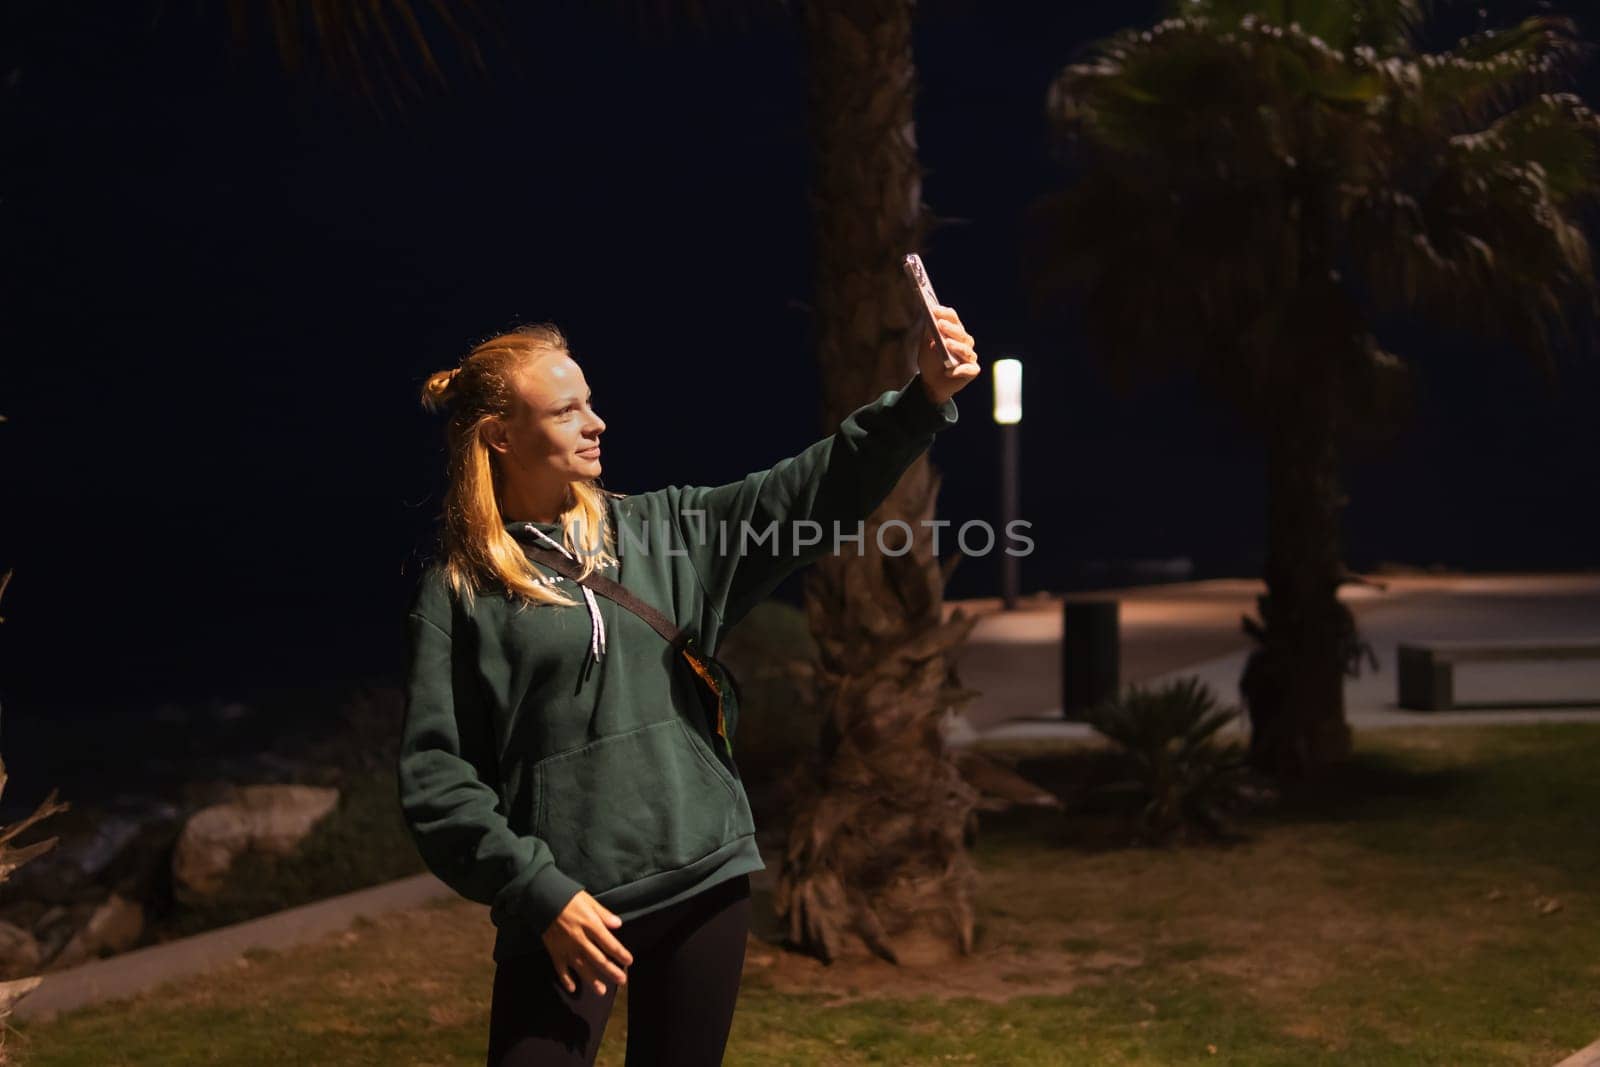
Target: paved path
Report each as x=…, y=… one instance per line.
x=133, y=972
x=1167, y=631
x=1193, y=628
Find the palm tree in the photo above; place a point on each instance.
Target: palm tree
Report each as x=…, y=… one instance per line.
x=877, y=858
x=1256, y=186
x=876, y=854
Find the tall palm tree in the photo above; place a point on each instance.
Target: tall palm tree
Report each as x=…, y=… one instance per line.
x=876, y=855
x=1260, y=179
x=876, y=860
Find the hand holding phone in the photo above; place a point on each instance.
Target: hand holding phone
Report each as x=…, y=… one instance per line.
x=919, y=278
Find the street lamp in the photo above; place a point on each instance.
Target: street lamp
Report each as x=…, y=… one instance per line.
x=1008, y=413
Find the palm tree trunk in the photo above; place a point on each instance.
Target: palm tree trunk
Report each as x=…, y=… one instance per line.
x=876, y=859
x=1293, y=683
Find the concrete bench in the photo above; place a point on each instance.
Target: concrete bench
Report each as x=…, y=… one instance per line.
x=1427, y=669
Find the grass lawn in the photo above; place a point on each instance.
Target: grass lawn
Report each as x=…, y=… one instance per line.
x=1439, y=903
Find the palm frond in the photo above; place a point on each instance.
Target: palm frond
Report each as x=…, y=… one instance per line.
x=1490, y=242
x=374, y=45
x=1442, y=93
x=1229, y=167
x=1342, y=23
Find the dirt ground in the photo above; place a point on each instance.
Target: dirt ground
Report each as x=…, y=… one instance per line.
x=1279, y=914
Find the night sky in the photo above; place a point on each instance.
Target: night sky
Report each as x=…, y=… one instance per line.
x=224, y=287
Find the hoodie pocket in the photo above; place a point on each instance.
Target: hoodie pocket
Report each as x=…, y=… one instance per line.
x=635, y=804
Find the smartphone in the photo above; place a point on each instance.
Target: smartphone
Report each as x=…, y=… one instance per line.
x=919, y=278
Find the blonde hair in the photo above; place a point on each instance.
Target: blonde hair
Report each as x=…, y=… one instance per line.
x=478, y=550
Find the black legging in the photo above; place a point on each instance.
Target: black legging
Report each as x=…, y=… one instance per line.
x=682, y=985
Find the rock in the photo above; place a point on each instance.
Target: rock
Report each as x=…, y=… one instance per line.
x=113, y=842
x=53, y=877
x=265, y=818
x=93, y=854
x=114, y=927
x=145, y=808
x=24, y=913
x=144, y=871
x=19, y=951
x=57, y=926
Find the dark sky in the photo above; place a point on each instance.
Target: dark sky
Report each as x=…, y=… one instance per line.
x=224, y=286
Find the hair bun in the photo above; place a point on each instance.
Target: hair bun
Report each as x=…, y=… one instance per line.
x=437, y=391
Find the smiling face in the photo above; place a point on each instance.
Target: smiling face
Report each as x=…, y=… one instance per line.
x=553, y=437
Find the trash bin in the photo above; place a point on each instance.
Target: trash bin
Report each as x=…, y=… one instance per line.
x=1090, y=651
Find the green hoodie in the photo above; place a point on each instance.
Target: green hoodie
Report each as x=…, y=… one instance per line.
x=530, y=767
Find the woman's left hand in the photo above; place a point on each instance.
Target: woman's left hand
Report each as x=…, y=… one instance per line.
x=941, y=382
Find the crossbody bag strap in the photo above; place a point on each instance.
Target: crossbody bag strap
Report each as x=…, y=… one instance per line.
x=569, y=568
x=707, y=668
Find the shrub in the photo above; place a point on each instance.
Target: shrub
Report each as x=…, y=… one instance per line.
x=1169, y=757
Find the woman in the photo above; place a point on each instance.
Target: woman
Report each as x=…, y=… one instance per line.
x=555, y=763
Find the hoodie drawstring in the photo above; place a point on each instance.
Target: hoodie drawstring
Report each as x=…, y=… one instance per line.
x=597, y=625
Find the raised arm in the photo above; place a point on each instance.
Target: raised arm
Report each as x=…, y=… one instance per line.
x=839, y=480
x=452, y=814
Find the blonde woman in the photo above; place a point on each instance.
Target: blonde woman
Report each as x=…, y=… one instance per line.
x=555, y=762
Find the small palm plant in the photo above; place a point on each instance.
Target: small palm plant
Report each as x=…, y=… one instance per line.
x=1166, y=737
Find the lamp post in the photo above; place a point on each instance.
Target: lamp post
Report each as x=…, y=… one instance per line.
x=1008, y=413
